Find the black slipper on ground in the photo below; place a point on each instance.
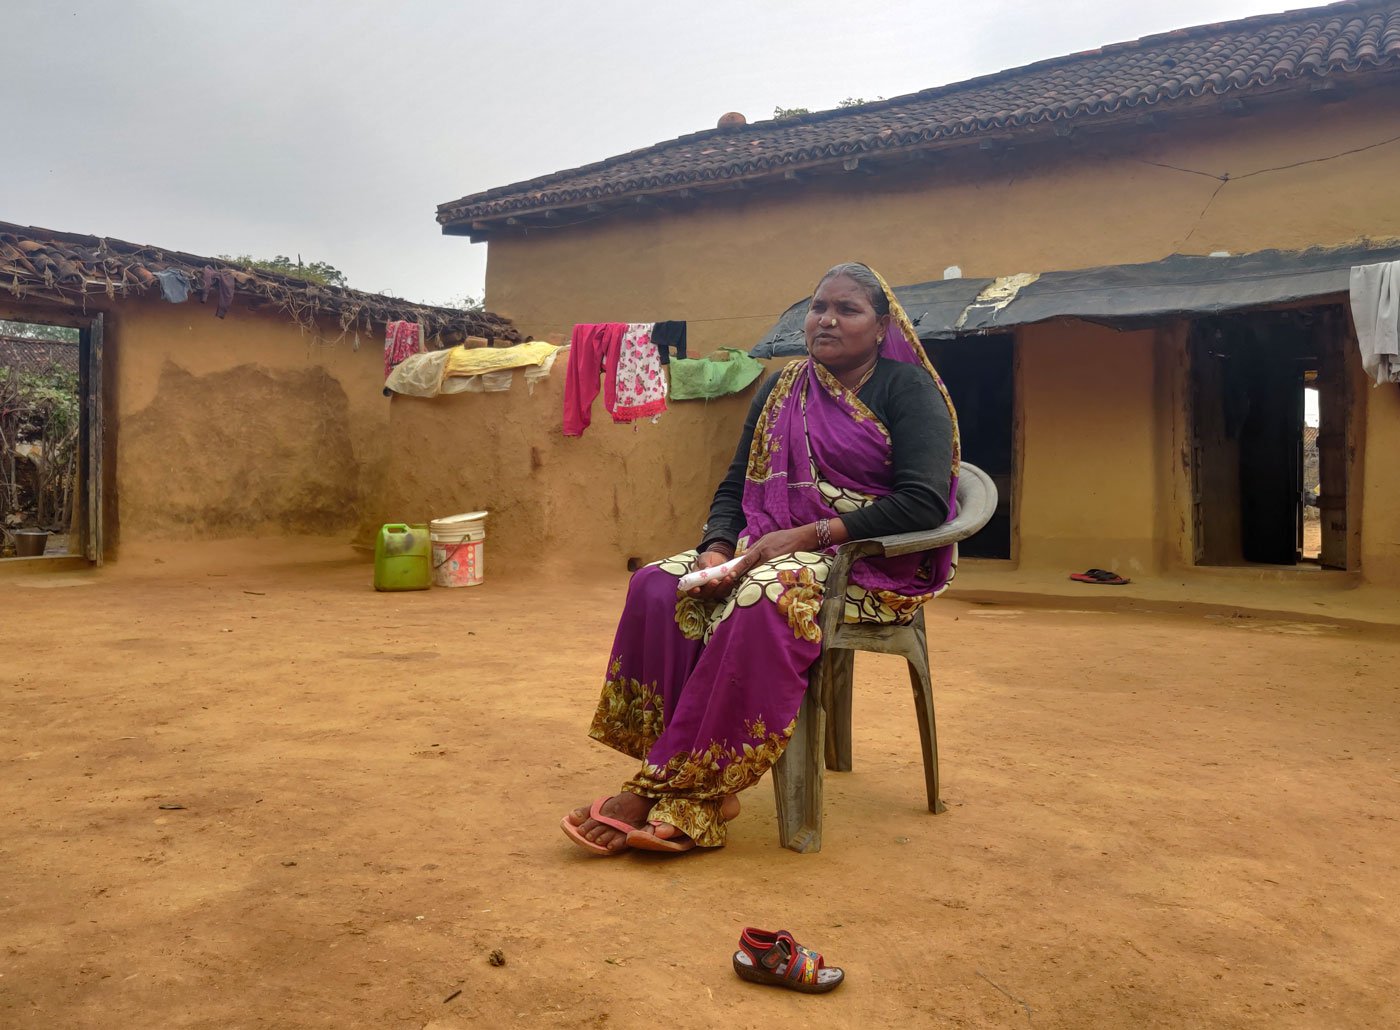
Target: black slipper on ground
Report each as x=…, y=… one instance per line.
x=1099, y=576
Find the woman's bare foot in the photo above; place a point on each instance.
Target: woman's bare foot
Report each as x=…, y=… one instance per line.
x=728, y=811
x=629, y=808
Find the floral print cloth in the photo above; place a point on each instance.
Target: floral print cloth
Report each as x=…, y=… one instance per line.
x=705, y=694
x=401, y=339
x=640, y=386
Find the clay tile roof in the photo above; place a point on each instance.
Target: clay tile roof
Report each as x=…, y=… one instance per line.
x=1263, y=52
x=37, y=356
x=67, y=267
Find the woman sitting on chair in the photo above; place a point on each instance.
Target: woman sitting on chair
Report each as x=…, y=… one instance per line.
x=857, y=440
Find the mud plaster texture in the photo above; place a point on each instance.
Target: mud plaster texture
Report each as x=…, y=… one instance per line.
x=1154, y=820
x=619, y=491
x=244, y=426
x=236, y=451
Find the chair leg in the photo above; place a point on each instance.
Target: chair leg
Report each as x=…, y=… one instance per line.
x=928, y=731
x=840, y=673
x=797, y=778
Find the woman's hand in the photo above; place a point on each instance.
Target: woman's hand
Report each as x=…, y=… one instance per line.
x=715, y=588
x=789, y=541
x=775, y=545
x=769, y=546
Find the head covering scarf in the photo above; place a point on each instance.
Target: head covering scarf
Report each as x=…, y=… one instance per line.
x=819, y=450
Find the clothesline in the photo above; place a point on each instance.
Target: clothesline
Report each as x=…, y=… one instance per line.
x=692, y=321
x=630, y=358
x=626, y=362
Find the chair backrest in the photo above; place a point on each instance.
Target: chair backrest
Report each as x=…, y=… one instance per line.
x=977, y=501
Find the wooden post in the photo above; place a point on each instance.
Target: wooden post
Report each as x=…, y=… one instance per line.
x=91, y=386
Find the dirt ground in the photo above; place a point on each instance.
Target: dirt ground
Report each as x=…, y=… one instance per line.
x=265, y=796
x=1312, y=533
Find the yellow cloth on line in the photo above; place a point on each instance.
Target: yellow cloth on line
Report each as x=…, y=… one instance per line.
x=476, y=361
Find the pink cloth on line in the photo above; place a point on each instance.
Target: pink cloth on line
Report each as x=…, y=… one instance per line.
x=593, y=349
x=401, y=339
x=641, y=389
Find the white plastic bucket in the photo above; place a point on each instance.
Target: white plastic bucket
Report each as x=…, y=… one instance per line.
x=459, y=549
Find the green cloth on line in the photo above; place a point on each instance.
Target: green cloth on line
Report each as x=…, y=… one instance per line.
x=724, y=372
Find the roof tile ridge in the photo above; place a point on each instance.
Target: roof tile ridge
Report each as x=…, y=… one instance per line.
x=128, y=249
x=593, y=166
x=1338, y=14
x=1213, y=29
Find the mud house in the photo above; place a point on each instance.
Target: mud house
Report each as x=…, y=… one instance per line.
x=268, y=419
x=1129, y=263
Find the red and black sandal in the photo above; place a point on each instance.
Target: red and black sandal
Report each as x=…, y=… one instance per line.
x=775, y=959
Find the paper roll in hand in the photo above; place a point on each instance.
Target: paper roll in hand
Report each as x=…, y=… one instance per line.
x=691, y=580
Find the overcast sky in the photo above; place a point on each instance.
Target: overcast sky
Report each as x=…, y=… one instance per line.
x=333, y=129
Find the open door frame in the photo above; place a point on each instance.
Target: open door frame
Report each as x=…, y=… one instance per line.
x=89, y=536
x=1340, y=443
x=1335, y=455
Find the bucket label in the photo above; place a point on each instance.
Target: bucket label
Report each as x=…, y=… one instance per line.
x=457, y=564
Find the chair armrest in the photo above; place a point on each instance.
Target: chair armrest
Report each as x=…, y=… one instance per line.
x=977, y=501
x=837, y=577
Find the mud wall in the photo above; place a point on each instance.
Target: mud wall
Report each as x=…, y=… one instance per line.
x=1380, y=488
x=239, y=426
x=593, y=501
x=1089, y=447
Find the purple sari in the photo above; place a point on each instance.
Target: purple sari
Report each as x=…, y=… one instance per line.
x=706, y=694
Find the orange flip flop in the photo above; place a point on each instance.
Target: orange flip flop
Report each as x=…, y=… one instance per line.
x=596, y=812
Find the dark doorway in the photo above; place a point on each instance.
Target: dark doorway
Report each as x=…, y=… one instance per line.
x=1251, y=374
x=978, y=373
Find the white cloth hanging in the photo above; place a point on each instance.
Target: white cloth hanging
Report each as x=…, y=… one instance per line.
x=1375, y=308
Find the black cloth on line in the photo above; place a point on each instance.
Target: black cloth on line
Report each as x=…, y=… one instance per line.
x=667, y=335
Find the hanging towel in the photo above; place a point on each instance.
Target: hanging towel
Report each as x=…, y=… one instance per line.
x=541, y=371
x=418, y=375
x=641, y=388
x=475, y=361
x=1375, y=308
x=724, y=372
x=400, y=340
x=668, y=335
x=488, y=382
x=594, y=349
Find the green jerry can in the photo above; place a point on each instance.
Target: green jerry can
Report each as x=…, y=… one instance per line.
x=403, y=558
